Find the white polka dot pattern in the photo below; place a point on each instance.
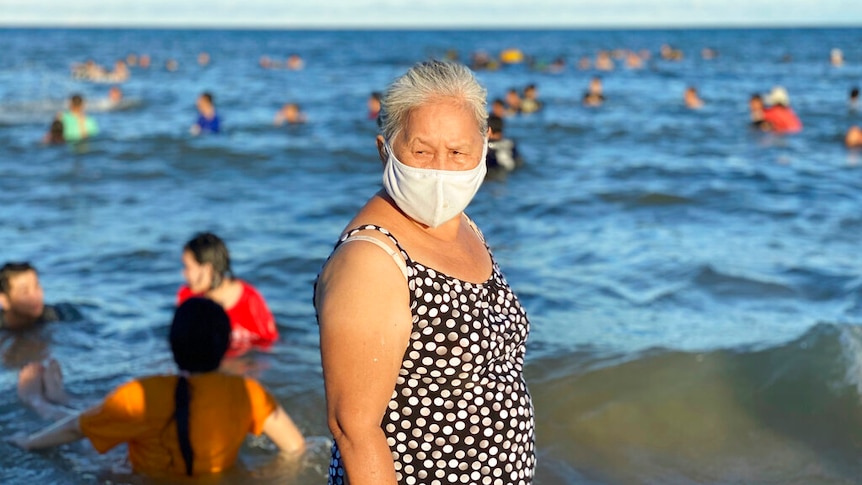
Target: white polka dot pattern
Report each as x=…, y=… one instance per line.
x=460, y=411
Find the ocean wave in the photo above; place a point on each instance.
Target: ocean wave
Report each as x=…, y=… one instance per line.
x=785, y=414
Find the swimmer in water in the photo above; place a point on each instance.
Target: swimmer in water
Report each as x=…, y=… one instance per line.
x=22, y=299
x=291, y=114
x=755, y=107
x=530, y=103
x=55, y=133
x=374, y=105
x=208, y=119
x=691, y=98
x=192, y=423
x=853, y=139
x=77, y=125
x=208, y=274
x=595, y=93
x=779, y=115
x=498, y=108
x=502, y=152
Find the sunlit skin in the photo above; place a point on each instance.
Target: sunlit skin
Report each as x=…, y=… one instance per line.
x=25, y=302
x=365, y=328
x=199, y=277
x=440, y=136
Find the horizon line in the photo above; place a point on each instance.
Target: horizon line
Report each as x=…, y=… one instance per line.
x=478, y=27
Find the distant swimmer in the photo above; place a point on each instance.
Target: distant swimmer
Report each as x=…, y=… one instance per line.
x=595, y=93
x=755, y=107
x=294, y=62
x=853, y=101
x=633, y=60
x=530, y=103
x=502, y=152
x=854, y=137
x=55, y=133
x=691, y=98
x=779, y=115
x=291, y=114
x=90, y=71
x=557, y=66
x=373, y=105
x=513, y=102
x=114, y=101
x=669, y=53
x=77, y=125
x=208, y=119
x=203, y=59
x=498, y=108
x=836, y=57
x=604, y=61
x=120, y=74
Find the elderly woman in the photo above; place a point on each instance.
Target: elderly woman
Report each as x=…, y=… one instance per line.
x=422, y=340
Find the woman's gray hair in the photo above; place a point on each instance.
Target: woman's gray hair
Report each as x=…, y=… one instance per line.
x=428, y=81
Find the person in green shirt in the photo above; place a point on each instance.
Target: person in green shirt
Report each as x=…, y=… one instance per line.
x=76, y=124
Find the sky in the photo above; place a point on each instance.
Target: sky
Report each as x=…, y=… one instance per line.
x=430, y=13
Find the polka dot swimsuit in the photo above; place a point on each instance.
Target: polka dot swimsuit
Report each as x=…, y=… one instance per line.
x=460, y=411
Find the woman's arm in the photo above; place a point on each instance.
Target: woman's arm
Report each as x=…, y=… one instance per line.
x=365, y=323
x=283, y=432
x=63, y=431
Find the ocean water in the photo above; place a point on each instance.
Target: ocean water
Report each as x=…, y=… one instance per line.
x=694, y=287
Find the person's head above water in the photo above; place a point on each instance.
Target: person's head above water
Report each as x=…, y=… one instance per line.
x=205, y=103
x=778, y=97
x=495, y=123
x=21, y=296
x=200, y=335
x=76, y=102
x=206, y=262
x=426, y=83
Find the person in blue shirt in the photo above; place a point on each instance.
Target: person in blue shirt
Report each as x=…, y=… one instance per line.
x=208, y=120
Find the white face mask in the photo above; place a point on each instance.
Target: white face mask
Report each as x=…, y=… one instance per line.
x=430, y=196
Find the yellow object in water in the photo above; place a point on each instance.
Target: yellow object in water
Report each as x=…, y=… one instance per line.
x=511, y=56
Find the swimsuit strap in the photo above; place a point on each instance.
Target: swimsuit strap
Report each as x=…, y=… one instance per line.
x=400, y=257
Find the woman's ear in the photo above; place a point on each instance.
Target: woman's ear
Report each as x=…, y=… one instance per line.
x=381, y=149
x=4, y=301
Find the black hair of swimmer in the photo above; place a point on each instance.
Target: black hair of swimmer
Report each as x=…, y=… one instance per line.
x=495, y=123
x=76, y=101
x=200, y=337
x=11, y=269
x=55, y=133
x=208, y=96
x=206, y=247
x=854, y=93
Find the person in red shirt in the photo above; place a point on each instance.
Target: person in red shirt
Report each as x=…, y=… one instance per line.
x=780, y=116
x=206, y=269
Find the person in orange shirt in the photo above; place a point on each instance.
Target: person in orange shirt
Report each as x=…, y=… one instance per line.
x=192, y=423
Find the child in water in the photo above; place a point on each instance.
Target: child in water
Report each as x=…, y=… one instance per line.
x=192, y=423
